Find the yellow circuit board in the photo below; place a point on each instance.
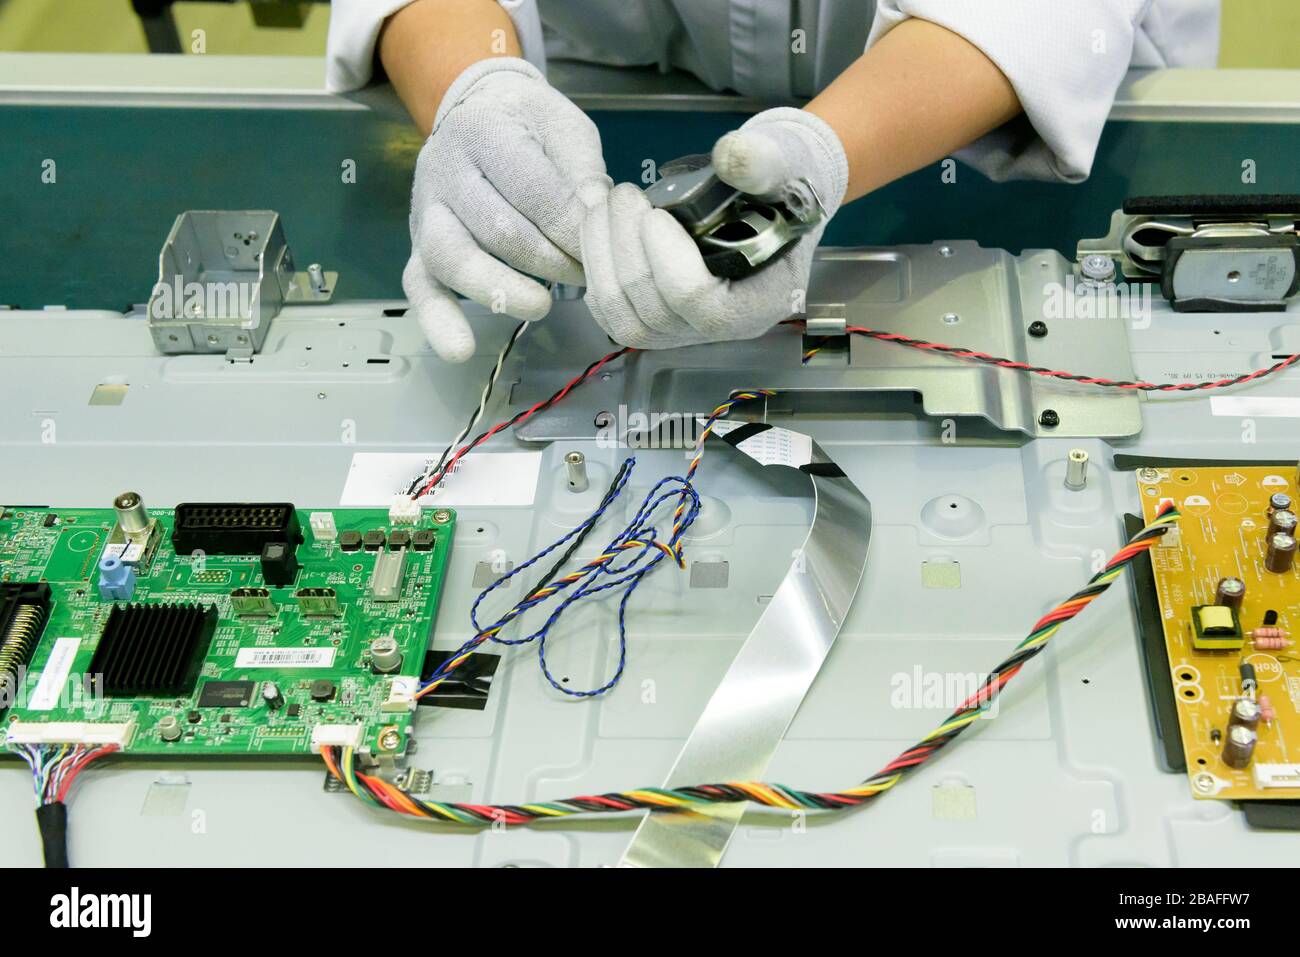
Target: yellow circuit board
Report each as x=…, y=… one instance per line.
x=1223, y=533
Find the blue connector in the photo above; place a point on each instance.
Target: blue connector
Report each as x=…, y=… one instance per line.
x=116, y=579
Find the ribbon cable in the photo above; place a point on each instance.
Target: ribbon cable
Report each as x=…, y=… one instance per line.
x=746, y=718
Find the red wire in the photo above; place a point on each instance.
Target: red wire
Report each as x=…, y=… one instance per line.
x=959, y=352
x=76, y=769
x=522, y=417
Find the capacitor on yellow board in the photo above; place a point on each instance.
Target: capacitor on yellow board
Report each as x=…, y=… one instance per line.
x=1230, y=592
x=1283, y=520
x=1239, y=746
x=1243, y=714
x=1280, y=553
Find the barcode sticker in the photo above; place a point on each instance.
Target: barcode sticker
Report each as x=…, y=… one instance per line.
x=284, y=658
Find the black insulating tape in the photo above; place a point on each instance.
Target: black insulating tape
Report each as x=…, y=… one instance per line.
x=748, y=430
x=824, y=469
x=52, y=820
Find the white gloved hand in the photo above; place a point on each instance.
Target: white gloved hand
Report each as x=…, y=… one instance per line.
x=647, y=284
x=494, y=199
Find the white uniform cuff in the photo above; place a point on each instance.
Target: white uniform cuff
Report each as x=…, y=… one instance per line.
x=354, y=31
x=1065, y=60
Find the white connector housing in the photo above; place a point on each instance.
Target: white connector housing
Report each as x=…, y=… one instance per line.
x=1269, y=776
x=336, y=736
x=323, y=528
x=403, y=511
x=401, y=694
x=89, y=733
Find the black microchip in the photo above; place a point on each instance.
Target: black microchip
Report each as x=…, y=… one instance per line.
x=294, y=710
x=422, y=540
x=226, y=694
x=350, y=540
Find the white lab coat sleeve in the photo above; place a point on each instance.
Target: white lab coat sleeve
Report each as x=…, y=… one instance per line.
x=354, y=31
x=1065, y=59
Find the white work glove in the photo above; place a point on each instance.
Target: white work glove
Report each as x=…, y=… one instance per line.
x=647, y=284
x=494, y=199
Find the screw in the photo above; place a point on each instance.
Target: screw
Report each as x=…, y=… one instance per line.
x=1097, y=267
x=441, y=517
x=1038, y=328
x=1049, y=419
x=1149, y=475
x=316, y=276
x=951, y=318
x=389, y=739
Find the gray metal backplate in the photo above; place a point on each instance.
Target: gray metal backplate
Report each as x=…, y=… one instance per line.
x=948, y=292
x=1066, y=774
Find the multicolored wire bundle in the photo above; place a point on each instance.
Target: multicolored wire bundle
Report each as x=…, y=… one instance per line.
x=603, y=573
x=342, y=762
x=54, y=770
x=641, y=536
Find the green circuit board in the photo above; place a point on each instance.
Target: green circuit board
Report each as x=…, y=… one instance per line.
x=310, y=640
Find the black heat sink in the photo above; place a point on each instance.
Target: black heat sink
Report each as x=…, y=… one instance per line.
x=153, y=651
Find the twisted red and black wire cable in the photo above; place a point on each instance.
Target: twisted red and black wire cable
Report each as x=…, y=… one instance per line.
x=959, y=352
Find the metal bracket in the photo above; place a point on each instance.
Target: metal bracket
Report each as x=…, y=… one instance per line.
x=959, y=293
x=223, y=275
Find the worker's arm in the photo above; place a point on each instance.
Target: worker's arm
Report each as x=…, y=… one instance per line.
x=913, y=98
x=424, y=46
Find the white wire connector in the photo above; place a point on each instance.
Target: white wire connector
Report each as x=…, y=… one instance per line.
x=403, y=511
x=323, y=526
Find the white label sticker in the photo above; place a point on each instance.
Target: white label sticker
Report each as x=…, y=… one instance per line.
x=774, y=446
x=284, y=658
x=1255, y=407
x=481, y=478
x=54, y=678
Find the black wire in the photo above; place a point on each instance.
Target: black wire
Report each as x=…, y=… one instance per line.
x=610, y=494
x=961, y=352
x=479, y=408
x=554, y=397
